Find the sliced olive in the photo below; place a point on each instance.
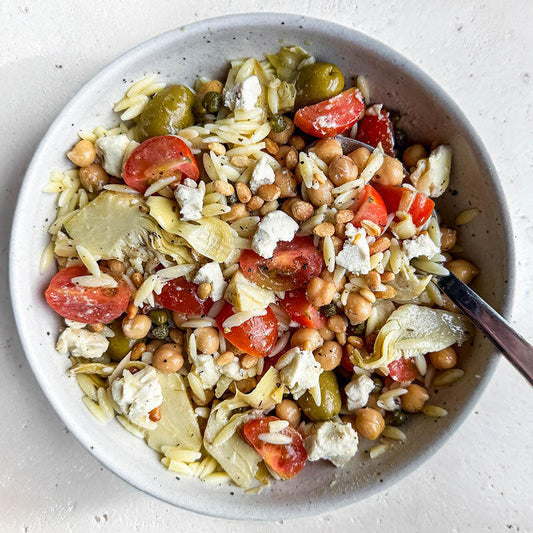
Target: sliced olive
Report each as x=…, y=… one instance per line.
x=330, y=404
x=317, y=82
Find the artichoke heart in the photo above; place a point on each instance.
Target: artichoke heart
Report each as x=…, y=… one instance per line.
x=286, y=62
x=247, y=296
x=407, y=285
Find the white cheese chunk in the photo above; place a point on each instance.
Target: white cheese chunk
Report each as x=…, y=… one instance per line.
x=355, y=254
x=82, y=342
x=299, y=371
x=263, y=174
x=137, y=395
x=113, y=150
x=358, y=391
x=275, y=227
x=422, y=245
x=243, y=95
x=235, y=371
x=206, y=370
x=432, y=174
x=332, y=440
x=211, y=273
x=190, y=198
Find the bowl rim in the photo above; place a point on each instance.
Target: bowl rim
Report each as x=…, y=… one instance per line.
x=480, y=152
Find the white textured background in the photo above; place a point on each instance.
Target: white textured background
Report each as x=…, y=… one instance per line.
x=481, y=53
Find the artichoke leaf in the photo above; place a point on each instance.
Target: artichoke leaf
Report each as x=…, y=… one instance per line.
x=286, y=62
x=245, y=295
x=407, y=285
x=381, y=310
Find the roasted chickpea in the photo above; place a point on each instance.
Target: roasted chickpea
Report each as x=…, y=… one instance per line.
x=357, y=308
x=443, y=359
x=360, y=157
x=137, y=327
x=286, y=182
x=116, y=267
x=412, y=154
x=342, y=170
x=288, y=410
x=320, y=292
x=390, y=172
x=448, y=238
x=283, y=136
x=464, y=270
x=93, y=177
x=322, y=195
x=83, y=153
x=369, y=423
x=337, y=324
x=329, y=355
x=168, y=358
x=207, y=340
x=414, y=399
x=327, y=150
x=307, y=338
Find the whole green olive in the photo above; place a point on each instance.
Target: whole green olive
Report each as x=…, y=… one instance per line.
x=119, y=344
x=317, y=82
x=330, y=404
x=166, y=113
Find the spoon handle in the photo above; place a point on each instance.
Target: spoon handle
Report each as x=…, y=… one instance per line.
x=494, y=326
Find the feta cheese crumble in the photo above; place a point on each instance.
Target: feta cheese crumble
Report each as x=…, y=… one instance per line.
x=299, y=371
x=211, y=273
x=263, y=174
x=355, y=254
x=332, y=440
x=244, y=94
x=422, y=245
x=112, y=150
x=358, y=391
x=137, y=395
x=82, y=342
x=275, y=227
x=190, y=198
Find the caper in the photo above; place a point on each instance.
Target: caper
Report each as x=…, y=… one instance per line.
x=398, y=418
x=330, y=404
x=357, y=330
x=317, y=82
x=161, y=332
x=378, y=384
x=232, y=199
x=158, y=316
x=278, y=123
x=119, y=344
x=212, y=102
x=329, y=310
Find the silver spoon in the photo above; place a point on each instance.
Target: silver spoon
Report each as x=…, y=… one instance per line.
x=513, y=346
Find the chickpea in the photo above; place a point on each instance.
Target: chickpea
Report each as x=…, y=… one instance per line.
x=414, y=399
x=298, y=209
x=328, y=276
x=327, y=150
x=357, y=309
x=443, y=359
x=390, y=172
x=283, y=137
x=322, y=195
x=287, y=156
x=209, y=394
x=286, y=182
x=137, y=327
x=337, y=324
x=207, y=340
x=369, y=423
x=326, y=334
x=178, y=318
x=360, y=157
x=93, y=177
x=464, y=270
x=153, y=345
x=413, y=154
x=329, y=355
x=83, y=153
x=288, y=410
x=307, y=338
x=342, y=170
x=168, y=358
x=448, y=238
x=320, y=292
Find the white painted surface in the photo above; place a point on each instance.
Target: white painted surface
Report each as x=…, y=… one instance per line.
x=481, y=480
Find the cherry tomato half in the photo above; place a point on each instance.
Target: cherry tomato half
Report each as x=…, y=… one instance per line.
x=332, y=116
x=301, y=310
x=420, y=209
x=291, y=267
x=256, y=336
x=368, y=205
x=180, y=295
x=285, y=459
x=377, y=128
x=403, y=370
x=90, y=305
x=158, y=158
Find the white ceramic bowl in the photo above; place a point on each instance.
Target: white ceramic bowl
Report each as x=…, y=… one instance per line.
x=202, y=48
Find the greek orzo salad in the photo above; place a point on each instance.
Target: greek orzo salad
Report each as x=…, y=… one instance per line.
x=243, y=297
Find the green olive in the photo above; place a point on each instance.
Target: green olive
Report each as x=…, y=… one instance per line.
x=317, y=82
x=119, y=344
x=330, y=399
x=166, y=113
x=158, y=316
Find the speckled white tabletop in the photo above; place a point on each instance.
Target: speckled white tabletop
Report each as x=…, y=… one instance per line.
x=480, y=52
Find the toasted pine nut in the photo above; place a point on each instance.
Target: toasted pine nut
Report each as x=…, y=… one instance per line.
x=356, y=341
x=268, y=207
x=387, y=277
x=217, y=148
x=132, y=310
x=155, y=414
x=117, y=267
x=137, y=279
x=389, y=292
x=137, y=351
x=248, y=361
x=269, y=192
x=369, y=295
x=325, y=229
x=243, y=192
x=240, y=161
x=344, y=216
x=97, y=328
x=373, y=280
x=271, y=146
x=224, y=358
x=380, y=245
x=255, y=203
x=237, y=211
x=297, y=142
x=204, y=290
x=341, y=338
x=223, y=187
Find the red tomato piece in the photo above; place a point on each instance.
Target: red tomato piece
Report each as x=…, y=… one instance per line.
x=256, y=336
x=332, y=116
x=291, y=267
x=285, y=459
x=90, y=305
x=346, y=363
x=180, y=295
x=420, y=209
x=158, y=158
x=301, y=310
x=368, y=205
x=272, y=361
x=403, y=370
x=377, y=128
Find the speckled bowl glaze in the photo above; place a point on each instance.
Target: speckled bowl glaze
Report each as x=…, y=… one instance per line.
x=202, y=49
